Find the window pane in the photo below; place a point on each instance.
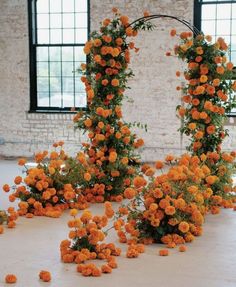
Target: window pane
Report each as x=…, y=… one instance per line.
x=42, y=21
x=81, y=6
x=79, y=55
x=223, y=27
x=55, y=84
x=55, y=6
x=68, y=5
x=233, y=10
x=42, y=69
x=68, y=100
x=55, y=69
x=68, y=36
x=42, y=53
x=67, y=54
x=234, y=27
x=68, y=20
x=208, y=12
x=42, y=6
x=56, y=100
x=80, y=100
x=43, y=99
x=81, y=35
x=68, y=84
x=81, y=20
x=43, y=36
x=55, y=36
x=233, y=57
x=67, y=69
x=42, y=84
x=223, y=11
x=208, y=27
x=55, y=21
x=79, y=86
x=55, y=53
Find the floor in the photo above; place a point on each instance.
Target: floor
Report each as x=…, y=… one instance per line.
x=33, y=245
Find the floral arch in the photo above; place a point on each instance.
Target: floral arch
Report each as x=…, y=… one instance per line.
x=167, y=207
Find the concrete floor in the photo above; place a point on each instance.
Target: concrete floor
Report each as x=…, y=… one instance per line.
x=210, y=261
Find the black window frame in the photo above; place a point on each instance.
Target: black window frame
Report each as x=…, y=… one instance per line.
x=197, y=21
x=32, y=31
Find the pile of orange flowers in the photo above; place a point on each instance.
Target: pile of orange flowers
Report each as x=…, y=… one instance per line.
x=86, y=242
x=52, y=185
x=170, y=207
x=111, y=146
x=8, y=218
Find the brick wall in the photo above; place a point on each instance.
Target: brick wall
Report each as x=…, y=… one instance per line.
x=153, y=92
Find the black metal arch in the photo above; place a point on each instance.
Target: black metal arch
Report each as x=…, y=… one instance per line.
x=157, y=16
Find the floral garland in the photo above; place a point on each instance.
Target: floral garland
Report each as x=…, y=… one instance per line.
x=208, y=95
x=111, y=143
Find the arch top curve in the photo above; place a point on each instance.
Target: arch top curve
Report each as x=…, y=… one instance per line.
x=191, y=27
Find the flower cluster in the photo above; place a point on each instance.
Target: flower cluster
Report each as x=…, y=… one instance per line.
x=51, y=185
x=170, y=207
x=8, y=217
x=86, y=242
x=111, y=143
x=208, y=94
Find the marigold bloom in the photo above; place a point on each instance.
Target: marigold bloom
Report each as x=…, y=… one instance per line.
x=10, y=278
x=182, y=248
x=164, y=252
x=183, y=226
x=45, y=276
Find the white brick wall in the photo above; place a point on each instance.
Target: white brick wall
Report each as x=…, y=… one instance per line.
x=152, y=90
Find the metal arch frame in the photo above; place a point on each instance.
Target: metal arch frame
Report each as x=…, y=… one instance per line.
x=157, y=16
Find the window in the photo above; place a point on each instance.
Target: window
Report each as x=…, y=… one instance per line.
x=218, y=19
x=58, y=31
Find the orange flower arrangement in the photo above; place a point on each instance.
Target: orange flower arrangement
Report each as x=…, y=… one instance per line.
x=86, y=242
x=112, y=145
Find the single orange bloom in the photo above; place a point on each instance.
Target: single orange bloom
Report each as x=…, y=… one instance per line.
x=22, y=161
x=6, y=188
x=183, y=227
x=164, y=252
x=115, y=82
x=211, y=129
x=159, y=164
x=129, y=193
x=87, y=176
x=182, y=248
x=45, y=276
x=10, y=278
x=172, y=32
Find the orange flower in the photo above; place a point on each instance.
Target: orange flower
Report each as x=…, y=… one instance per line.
x=211, y=179
x=129, y=193
x=220, y=70
x=18, y=180
x=183, y=227
x=45, y=276
x=182, y=248
x=6, y=188
x=159, y=164
x=164, y=252
x=172, y=32
x=170, y=210
x=88, y=123
x=112, y=156
x=129, y=31
x=22, y=161
x=10, y=278
x=115, y=82
x=211, y=129
x=124, y=20
x=87, y=176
